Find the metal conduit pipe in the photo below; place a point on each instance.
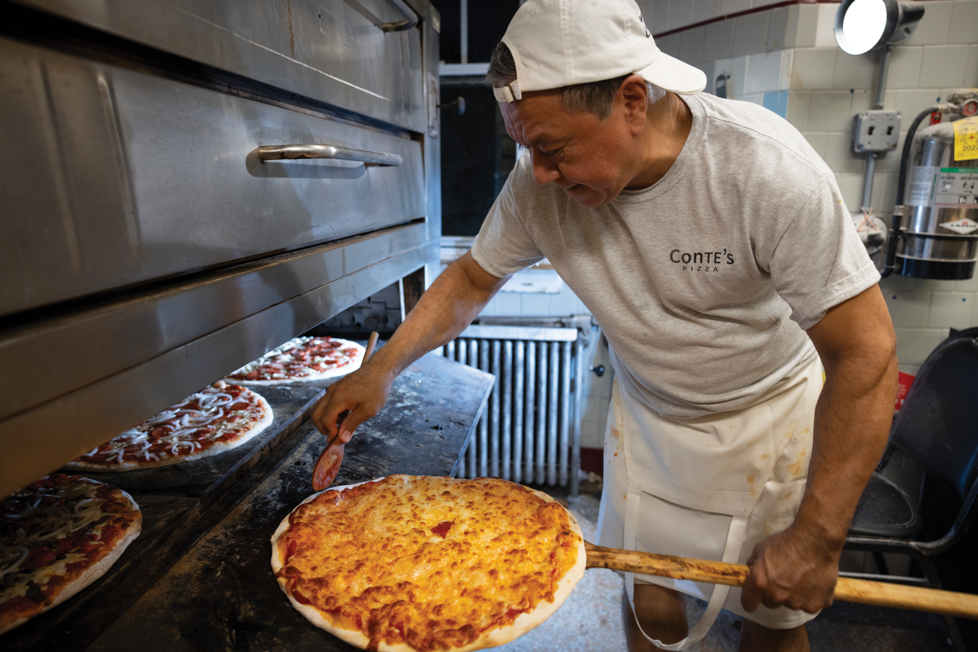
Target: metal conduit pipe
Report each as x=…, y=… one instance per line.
x=870, y=168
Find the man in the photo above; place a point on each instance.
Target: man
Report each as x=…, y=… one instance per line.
x=712, y=245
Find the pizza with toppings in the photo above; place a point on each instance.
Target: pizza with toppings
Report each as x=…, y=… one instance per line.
x=302, y=358
x=215, y=419
x=57, y=536
x=428, y=563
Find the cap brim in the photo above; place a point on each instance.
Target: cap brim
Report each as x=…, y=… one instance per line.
x=674, y=75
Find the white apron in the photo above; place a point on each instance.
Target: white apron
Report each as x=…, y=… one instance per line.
x=708, y=488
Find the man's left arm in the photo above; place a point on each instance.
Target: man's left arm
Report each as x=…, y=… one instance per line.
x=798, y=567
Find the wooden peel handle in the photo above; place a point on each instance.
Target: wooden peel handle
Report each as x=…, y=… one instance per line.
x=881, y=594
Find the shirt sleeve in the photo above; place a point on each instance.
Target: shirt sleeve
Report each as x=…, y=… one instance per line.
x=819, y=261
x=504, y=246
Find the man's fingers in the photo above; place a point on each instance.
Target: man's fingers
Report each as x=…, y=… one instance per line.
x=750, y=597
x=330, y=407
x=353, y=420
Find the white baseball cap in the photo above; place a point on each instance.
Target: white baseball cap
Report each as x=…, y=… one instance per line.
x=557, y=43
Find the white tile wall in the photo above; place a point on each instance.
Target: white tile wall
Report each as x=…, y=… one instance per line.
x=829, y=111
x=933, y=28
x=813, y=69
x=904, y=69
x=798, y=106
x=719, y=40
x=943, y=66
x=777, y=28
x=728, y=7
x=691, y=46
x=908, y=308
x=852, y=72
x=705, y=10
x=750, y=33
x=764, y=72
x=802, y=26
x=964, y=22
x=680, y=13
x=950, y=309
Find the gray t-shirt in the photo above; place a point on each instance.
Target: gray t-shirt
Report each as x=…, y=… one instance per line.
x=703, y=282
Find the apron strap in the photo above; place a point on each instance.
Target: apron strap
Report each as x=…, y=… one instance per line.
x=735, y=541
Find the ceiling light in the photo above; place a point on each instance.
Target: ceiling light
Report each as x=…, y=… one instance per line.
x=864, y=25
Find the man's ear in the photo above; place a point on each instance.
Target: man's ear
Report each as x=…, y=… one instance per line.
x=633, y=97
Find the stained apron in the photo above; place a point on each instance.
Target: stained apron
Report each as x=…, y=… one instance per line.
x=708, y=488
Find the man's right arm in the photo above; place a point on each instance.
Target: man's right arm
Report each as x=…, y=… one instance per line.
x=456, y=297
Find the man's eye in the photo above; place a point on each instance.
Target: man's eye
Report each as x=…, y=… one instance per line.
x=551, y=152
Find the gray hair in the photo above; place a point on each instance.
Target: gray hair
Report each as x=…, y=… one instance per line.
x=593, y=97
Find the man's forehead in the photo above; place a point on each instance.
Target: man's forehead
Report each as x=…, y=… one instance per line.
x=530, y=122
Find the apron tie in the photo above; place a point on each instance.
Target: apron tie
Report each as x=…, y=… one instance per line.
x=731, y=552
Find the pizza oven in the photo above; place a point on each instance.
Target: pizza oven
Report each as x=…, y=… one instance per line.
x=188, y=185
x=185, y=186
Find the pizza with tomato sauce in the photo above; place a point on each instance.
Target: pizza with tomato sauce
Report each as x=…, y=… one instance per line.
x=428, y=563
x=302, y=358
x=211, y=421
x=57, y=536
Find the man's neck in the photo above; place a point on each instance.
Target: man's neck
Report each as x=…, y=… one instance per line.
x=668, y=123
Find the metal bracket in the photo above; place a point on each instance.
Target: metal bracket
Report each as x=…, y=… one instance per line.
x=875, y=131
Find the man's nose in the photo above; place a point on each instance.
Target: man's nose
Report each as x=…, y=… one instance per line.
x=543, y=170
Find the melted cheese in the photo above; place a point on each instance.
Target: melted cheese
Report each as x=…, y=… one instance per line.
x=371, y=557
x=40, y=516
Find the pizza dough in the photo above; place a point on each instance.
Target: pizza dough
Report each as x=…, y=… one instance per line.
x=301, y=359
x=211, y=421
x=57, y=536
x=505, y=561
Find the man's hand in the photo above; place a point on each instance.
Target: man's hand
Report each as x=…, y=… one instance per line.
x=795, y=569
x=361, y=395
x=444, y=310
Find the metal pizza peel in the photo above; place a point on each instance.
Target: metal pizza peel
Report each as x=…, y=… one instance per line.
x=328, y=464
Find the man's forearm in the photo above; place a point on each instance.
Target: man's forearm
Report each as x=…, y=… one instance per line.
x=456, y=298
x=852, y=422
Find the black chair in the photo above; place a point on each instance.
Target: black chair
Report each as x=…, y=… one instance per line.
x=938, y=427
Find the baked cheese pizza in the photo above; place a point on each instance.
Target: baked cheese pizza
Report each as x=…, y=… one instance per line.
x=300, y=359
x=214, y=420
x=57, y=536
x=428, y=563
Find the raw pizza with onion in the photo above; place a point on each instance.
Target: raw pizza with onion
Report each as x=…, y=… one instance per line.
x=428, y=563
x=302, y=358
x=57, y=536
x=215, y=419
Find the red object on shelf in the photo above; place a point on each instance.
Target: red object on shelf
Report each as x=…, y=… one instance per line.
x=903, y=386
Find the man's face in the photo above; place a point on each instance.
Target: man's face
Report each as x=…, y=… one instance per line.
x=592, y=160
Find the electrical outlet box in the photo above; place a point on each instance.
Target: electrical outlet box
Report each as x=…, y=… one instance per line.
x=875, y=131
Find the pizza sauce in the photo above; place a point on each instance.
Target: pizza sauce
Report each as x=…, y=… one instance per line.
x=300, y=358
x=433, y=563
x=219, y=415
x=51, y=533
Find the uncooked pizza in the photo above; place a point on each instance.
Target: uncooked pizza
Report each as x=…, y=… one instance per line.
x=212, y=421
x=302, y=358
x=428, y=563
x=57, y=536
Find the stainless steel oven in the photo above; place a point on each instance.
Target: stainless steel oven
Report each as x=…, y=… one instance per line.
x=186, y=185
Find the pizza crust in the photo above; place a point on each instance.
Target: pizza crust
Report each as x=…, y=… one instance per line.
x=94, y=572
x=334, y=372
x=218, y=448
x=493, y=638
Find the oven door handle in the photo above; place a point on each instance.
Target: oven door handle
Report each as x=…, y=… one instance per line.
x=289, y=152
x=411, y=18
